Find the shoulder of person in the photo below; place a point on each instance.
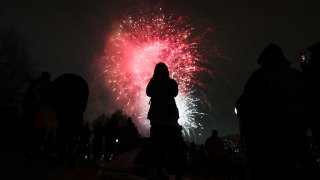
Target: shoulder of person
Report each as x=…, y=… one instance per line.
x=152, y=80
x=173, y=81
x=258, y=72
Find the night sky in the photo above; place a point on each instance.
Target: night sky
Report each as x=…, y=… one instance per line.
x=68, y=36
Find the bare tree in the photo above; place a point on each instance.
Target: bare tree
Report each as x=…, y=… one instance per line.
x=14, y=68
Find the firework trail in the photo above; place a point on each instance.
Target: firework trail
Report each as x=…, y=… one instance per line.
x=138, y=42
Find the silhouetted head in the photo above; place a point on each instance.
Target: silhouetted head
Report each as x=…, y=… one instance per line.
x=273, y=55
x=161, y=71
x=71, y=92
x=315, y=53
x=214, y=133
x=45, y=75
x=129, y=121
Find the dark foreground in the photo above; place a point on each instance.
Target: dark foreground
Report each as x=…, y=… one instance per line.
x=15, y=165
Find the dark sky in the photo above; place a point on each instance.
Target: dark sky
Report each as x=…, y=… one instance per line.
x=67, y=36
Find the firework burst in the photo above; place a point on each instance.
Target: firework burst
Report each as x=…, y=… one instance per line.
x=138, y=42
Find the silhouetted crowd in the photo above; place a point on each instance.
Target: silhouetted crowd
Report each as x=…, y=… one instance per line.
x=53, y=115
x=218, y=157
x=109, y=137
x=277, y=113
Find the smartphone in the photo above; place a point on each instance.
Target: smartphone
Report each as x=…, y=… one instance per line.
x=303, y=57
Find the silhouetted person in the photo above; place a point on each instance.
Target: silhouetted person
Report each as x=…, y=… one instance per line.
x=240, y=107
x=70, y=101
x=45, y=127
x=275, y=128
x=204, y=161
x=215, y=147
x=98, y=132
x=37, y=96
x=111, y=134
x=311, y=71
x=84, y=142
x=165, y=132
x=199, y=160
x=185, y=151
x=39, y=89
x=194, y=159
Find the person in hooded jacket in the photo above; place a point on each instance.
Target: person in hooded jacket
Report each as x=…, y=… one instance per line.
x=274, y=119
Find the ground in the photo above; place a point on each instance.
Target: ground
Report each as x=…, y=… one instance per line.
x=15, y=165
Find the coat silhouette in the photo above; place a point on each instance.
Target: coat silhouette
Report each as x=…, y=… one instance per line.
x=164, y=149
x=162, y=90
x=274, y=117
x=70, y=101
